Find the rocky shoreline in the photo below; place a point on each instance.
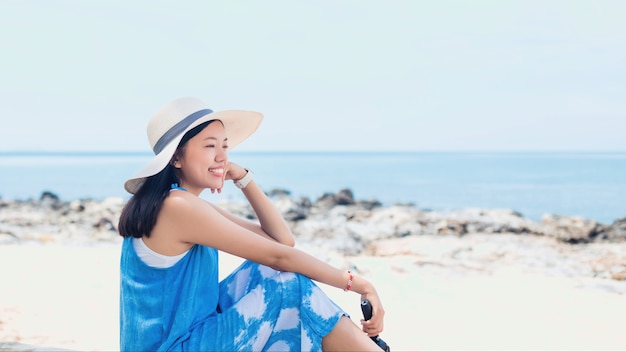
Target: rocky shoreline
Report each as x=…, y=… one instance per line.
x=338, y=224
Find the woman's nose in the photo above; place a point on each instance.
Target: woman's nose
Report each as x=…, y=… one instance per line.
x=221, y=154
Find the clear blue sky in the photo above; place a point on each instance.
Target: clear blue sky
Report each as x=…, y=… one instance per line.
x=328, y=75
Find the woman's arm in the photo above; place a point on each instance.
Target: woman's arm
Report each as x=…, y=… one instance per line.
x=192, y=220
x=271, y=221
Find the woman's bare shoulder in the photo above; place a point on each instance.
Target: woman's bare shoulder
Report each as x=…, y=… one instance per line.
x=180, y=206
x=182, y=199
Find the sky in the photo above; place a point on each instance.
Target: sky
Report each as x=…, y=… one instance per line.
x=327, y=75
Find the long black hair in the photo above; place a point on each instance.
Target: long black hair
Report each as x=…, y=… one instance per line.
x=141, y=211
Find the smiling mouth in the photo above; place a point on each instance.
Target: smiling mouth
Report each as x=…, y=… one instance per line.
x=217, y=171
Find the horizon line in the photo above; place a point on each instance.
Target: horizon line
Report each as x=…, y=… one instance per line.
x=147, y=152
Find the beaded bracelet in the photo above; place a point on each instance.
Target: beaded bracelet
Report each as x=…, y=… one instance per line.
x=350, y=278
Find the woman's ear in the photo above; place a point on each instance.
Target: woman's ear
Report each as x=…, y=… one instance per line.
x=175, y=162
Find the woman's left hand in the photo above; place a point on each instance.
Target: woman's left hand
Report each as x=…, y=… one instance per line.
x=374, y=326
x=232, y=171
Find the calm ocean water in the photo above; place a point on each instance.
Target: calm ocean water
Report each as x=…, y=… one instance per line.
x=592, y=185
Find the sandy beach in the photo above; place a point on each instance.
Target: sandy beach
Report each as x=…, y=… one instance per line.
x=66, y=296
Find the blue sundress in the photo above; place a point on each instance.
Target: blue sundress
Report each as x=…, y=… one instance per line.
x=185, y=308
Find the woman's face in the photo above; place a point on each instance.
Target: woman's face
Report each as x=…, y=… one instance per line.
x=204, y=159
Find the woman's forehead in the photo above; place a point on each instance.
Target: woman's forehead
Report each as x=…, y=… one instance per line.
x=215, y=130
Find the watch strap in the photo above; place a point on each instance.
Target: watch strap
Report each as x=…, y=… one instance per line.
x=243, y=182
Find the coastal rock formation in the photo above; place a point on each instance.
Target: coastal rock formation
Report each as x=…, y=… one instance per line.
x=51, y=220
x=338, y=223
x=332, y=216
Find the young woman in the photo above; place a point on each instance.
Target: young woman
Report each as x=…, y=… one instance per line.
x=170, y=297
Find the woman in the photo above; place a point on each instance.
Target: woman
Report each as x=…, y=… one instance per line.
x=170, y=297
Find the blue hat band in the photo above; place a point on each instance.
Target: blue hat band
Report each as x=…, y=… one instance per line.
x=178, y=128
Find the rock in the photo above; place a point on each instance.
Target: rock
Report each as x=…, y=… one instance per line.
x=329, y=200
x=571, y=229
x=105, y=224
x=291, y=209
x=369, y=204
x=77, y=206
x=620, y=276
x=277, y=192
x=7, y=237
x=47, y=196
x=344, y=197
x=616, y=232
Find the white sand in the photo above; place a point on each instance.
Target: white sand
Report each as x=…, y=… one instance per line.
x=63, y=296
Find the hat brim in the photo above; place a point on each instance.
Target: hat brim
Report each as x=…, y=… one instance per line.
x=238, y=125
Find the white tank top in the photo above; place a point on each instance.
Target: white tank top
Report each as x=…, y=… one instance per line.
x=152, y=258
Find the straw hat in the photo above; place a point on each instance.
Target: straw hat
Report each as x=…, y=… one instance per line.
x=169, y=125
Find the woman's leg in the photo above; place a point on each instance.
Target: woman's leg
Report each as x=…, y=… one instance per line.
x=346, y=336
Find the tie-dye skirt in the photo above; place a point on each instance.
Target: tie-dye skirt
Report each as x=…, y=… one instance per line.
x=262, y=309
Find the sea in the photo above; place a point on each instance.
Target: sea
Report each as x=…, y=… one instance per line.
x=587, y=184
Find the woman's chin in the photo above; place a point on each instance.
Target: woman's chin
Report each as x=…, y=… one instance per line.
x=216, y=185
